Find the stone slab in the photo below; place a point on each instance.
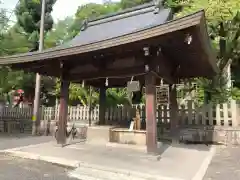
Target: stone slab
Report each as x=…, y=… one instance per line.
x=185, y=160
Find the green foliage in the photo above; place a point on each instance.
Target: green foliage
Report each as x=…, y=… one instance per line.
x=92, y=11
x=14, y=41
x=10, y=43
x=177, y=5
x=79, y=94
x=3, y=20
x=60, y=33
x=132, y=3
x=224, y=27
x=19, y=39
x=235, y=93
x=215, y=87
x=117, y=96
x=28, y=13
x=82, y=94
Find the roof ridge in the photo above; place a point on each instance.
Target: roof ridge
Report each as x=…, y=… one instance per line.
x=140, y=9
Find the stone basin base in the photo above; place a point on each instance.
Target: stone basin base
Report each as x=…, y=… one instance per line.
x=125, y=136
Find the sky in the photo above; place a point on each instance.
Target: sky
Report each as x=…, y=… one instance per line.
x=61, y=9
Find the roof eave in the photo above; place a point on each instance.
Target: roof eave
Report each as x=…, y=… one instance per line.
x=171, y=26
x=207, y=45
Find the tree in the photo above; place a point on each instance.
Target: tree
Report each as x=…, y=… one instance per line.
x=116, y=96
x=6, y=82
x=28, y=13
x=177, y=5
x=92, y=11
x=3, y=27
x=224, y=27
x=60, y=33
x=132, y=3
x=14, y=41
x=3, y=20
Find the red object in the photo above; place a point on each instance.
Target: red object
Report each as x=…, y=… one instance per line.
x=20, y=91
x=19, y=96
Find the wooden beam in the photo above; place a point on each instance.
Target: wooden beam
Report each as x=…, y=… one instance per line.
x=107, y=73
x=164, y=68
x=36, y=65
x=50, y=69
x=102, y=61
x=167, y=78
x=112, y=82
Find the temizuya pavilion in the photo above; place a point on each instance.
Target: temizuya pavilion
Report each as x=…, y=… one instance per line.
x=143, y=42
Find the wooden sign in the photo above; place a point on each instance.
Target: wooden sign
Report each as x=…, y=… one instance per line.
x=162, y=95
x=133, y=86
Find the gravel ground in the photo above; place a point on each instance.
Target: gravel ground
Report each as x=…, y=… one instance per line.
x=225, y=164
x=22, y=169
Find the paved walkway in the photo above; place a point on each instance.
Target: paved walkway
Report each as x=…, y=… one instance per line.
x=8, y=141
x=12, y=168
x=182, y=162
x=225, y=164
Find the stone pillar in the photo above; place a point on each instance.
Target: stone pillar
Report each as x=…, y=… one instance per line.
x=151, y=122
x=102, y=105
x=63, y=112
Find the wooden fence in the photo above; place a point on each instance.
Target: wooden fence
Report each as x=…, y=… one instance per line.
x=227, y=114
x=15, y=118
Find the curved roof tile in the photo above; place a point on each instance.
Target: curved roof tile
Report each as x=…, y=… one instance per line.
x=118, y=25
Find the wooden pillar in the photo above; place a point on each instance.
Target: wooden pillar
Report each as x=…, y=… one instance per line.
x=173, y=109
x=102, y=105
x=63, y=112
x=151, y=122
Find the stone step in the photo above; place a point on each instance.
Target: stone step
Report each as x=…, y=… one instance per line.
x=88, y=173
x=95, y=174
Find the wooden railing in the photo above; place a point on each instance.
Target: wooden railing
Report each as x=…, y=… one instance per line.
x=15, y=119
x=227, y=114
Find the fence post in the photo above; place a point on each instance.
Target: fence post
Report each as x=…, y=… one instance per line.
x=190, y=112
x=56, y=111
x=225, y=114
x=234, y=113
x=210, y=114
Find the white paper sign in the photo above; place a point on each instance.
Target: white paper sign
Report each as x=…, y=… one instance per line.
x=131, y=126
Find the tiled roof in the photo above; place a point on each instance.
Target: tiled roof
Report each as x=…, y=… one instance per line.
x=122, y=23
